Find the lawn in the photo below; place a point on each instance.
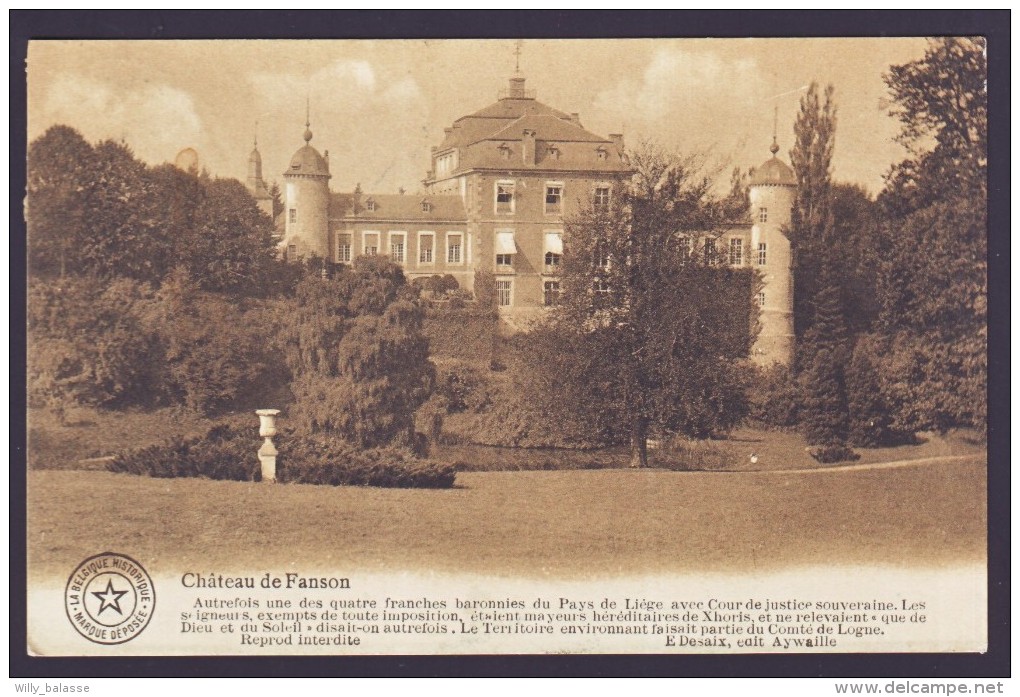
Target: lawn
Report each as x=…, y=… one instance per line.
x=91, y=434
x=537, y=524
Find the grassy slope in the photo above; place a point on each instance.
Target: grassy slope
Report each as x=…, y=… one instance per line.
x=530, y=523
x=93, y=433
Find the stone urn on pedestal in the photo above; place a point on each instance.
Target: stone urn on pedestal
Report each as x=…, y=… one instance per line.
x=268, y=452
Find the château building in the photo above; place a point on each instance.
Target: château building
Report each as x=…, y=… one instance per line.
x=499, y=187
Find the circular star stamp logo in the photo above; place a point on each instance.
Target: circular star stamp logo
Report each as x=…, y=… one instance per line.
x=109, y=598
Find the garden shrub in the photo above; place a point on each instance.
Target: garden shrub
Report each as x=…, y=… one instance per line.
x=828, y=454
x=465, y=387
x=686, y=455
x=774, y=397
x=468, y=333
x=337, y=463
x=229, y=452
x=90, y=343
x=225, y=452
x=220, y=354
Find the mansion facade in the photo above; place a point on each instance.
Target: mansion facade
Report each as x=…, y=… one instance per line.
x=500, y=185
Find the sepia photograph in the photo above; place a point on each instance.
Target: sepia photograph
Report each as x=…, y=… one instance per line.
x=530, y=346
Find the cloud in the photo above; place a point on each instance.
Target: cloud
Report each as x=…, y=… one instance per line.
x=690, y=97
x=154, y=120
x=370, y=117
x=353, y=82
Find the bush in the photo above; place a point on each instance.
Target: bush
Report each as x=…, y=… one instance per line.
x=229, y=452
x=220, y=354
x=90, y=343
x=774, y=397
x=467, y=333
x=464, y=387
x=685, y=455
x=828, y=454
x=337, y=463
x=224, y=452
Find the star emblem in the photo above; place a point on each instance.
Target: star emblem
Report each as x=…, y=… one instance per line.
x=109, y=598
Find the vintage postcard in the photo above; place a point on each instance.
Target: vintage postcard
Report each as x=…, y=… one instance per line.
x=617, y=346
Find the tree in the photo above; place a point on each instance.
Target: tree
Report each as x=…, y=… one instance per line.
x=122, y=231
x=358, y=356
x=941, y=101
x=91, y=344
x=811, y=235
x=652, y=326
x=231, y=248
x=824, y=412
x=57, y=162
x=858, y=245
x=932, y=284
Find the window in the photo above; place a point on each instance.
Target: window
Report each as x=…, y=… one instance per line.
x=710, y=252
x=370, y=204
x=553, y=199
x=761, y=299
x=601, y=153
x=553, y=249
x=397, y=243
x=601, y=258
x=736, y=251
x=763, y=215
x=601, y=290
x=554, y=152
x=292, y=215
x=601, y=198
x=684, y=248
x=504, y=292
x=426, y=206
x=506, y=247
x=343, y=249
x=504, y=197
x=426, y=243
x=291, y=251
x=371, y=244
x=551, y=295
x=454, y=244
x=504, y=151
x=761, y=254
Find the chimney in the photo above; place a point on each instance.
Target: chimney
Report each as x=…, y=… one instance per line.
x=617, y=139
x=575, y=118
x=447, y=131
x=516, y=88
x=528, y=147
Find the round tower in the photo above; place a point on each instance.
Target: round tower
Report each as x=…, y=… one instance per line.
x=256, y=185
x=306, y=207
x=773, y=188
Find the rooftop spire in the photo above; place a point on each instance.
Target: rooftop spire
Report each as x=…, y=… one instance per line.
x=774, y=148
x=308, y=119
x=255, y=138
x=517, y=56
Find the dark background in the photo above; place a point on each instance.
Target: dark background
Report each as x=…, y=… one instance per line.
x=26, y=25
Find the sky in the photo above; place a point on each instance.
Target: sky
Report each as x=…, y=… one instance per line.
x=378, y=105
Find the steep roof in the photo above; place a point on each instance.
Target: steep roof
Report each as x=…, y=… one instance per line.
x=390, y=207
x=548, y=127
x=478, y=136
x=307, y=160
x=493, y=138
x=774, y=172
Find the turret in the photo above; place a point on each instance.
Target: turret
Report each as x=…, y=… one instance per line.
x=773, y=188
x=256, y=186
x=306, y=207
